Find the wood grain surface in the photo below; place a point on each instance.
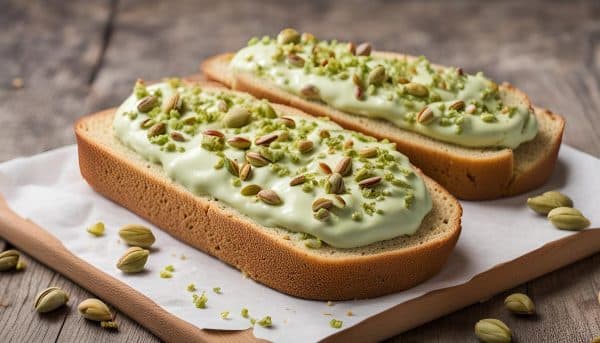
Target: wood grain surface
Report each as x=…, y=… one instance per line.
x=78, y=57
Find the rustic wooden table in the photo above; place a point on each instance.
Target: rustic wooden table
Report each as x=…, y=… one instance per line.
x=61, y=60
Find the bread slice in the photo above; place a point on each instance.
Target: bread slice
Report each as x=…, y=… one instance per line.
x=272, y=256
x=468, y=173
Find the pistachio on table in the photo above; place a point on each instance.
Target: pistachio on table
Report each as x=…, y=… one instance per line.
x=94, y=309
x=519, y=303
x=548, y=201
x=567, y=218
x=134, y=260
x=9, y=260
x=50, y=299
x=137, y=235
x=493, y=331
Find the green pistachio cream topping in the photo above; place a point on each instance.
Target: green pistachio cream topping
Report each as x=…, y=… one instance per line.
x=442, y=103
x=284, y=170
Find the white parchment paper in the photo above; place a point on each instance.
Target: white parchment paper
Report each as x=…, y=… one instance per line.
x=49, y=190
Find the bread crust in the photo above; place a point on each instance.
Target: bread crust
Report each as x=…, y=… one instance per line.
x=259, y=252
x=489, y=176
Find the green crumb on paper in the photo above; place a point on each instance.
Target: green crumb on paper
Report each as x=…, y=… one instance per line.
x=96, y=229
x=336, y=324
x=191, y=287
x=265, y=322
x=225, y=315
x=217, y=290
x=170, y=268
x=200, y=300
x=244, y=312
x=165, y=274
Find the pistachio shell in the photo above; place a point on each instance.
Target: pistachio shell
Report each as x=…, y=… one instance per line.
x=547, y=201
x=493, y=331
x=134, y=260
x=50, y=299
x=137, y=235
x=94, y=309
x=567, y=218
x=519, y=303
x=8, y=260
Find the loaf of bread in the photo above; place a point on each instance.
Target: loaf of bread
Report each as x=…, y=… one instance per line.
x=270, y=255
x=468, y=173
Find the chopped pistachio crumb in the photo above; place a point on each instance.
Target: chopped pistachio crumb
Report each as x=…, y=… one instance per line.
x=217, y=290
x=165, y=274
x=349, y=313
x=191, y=287
x=111, y=325
x=170, y=268
x=313, y=243
x=329, y=303
x=244, y=312
x=96, y=229
x=183, y=257
x=225, y=315
x=336, y=324
x=265, y=322
x=21, y=264
x=200, y=300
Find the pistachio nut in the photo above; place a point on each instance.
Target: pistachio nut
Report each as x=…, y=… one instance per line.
x=548, y=201
x=457, y=105
x=470, y=109
x=8, y=260
x=266, y=140
x=368, y=152
x=344, y=166
x=416, y=89
x=256, y=159
x=239, y=142
x=232, y=167
x=300, y=179
x=307, y=37
x=177, y=136
x=322, y=214
x=305, y=146
x=519, y=303
x=173, y=102
x=269, y=197
x=310, y=92
x=493, y=331
x=287, y=121
x=287, y=36
x=425, y=116
x=363, y=49
x=320, y=203
x=236, y=117
x=137, y=235
x=369, y=182
x=295, y=60
x=50, y=299
x=376, y=76
x=325, y=168
x=94, y=309
x=146, y=104
x=245, y=171
x=335, y=184
x=157, y=129
x=134, y=260
x=567, y=218
x=250, y=190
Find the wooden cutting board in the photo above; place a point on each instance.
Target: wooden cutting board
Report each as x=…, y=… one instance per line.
x=44, y=247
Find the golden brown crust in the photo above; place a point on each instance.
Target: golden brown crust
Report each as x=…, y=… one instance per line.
x=488, y=176
x=262, y=254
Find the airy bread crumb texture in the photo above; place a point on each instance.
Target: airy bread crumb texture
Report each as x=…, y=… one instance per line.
x=273, y=256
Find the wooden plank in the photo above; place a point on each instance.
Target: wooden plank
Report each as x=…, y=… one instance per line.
x=550, y=51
